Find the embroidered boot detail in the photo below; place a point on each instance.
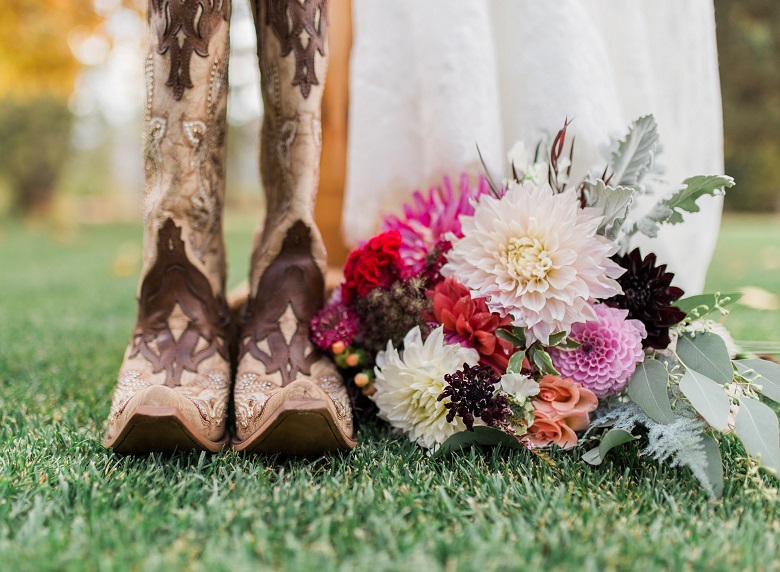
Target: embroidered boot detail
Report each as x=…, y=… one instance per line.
x=184, y=27
x=292, y=282
x=174, y=281
x=301, y=28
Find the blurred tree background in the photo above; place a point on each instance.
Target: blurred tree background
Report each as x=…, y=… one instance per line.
x=37, y=75
x=71, y=90
x=748, y=35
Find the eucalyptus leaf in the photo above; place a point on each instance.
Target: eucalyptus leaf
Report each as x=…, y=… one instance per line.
x=647, y=389
x=612, y=438
x=757, y=428
x=708, y=398
x=480, y=436
x=516, y=362
x=690, y=303
x=714, y=469
x=634, y=156
x=764, y=373
x=613, y=203
x=707, y=354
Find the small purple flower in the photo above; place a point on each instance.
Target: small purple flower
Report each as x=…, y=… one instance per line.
x=611, y=348
x=429, y=218
x=336, y=322
x=473, y=393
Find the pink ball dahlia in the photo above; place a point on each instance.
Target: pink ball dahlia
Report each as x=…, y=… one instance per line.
x=611, y=348
x=428, y=218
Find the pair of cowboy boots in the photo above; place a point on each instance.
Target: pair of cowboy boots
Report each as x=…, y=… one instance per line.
x=175, y=384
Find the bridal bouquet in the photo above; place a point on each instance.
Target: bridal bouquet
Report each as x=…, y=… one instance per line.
x=520, y=314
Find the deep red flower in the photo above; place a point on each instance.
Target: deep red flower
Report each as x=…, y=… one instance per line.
x=469, y=322
x=376, y=264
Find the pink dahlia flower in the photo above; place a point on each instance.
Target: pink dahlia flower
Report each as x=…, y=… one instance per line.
x=611, y=348
x=428, y=218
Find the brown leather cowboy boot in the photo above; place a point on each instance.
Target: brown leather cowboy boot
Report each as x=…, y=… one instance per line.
x=174, y=384
x=289, y=398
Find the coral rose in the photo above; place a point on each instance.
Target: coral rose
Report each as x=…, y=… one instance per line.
x=376, y=264
x=468, y=322
x=548, y=429
x=561, y=407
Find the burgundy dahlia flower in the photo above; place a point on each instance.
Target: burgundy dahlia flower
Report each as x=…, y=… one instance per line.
x=648, y=295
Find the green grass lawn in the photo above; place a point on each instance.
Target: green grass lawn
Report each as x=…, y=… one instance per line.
x=66, y=504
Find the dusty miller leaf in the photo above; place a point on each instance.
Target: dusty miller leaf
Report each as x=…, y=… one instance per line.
x=614, y=204
x=634, y=156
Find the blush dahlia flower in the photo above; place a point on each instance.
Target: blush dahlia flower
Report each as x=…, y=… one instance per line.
x=535, y=255
x=408, y=386
x=611, y=348
x=429, y=217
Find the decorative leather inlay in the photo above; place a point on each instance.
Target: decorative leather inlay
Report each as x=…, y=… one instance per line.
x=174, y=281
x=184, y=27
x=301, y=26
x=293, y=280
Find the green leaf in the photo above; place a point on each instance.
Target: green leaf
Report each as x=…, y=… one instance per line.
x=690, y=303
x=614, y=204
x=480, y=436
x=707, y=354
x=542, y=360
x=612, y=438
x=647, y=389
x=684, y=200
x=708, y=398
x=569, y=345
x=757, y=428
x=556, y=338
x=714, y=469
x=509, y=337
x=635, y=155
x=519, y=333
x=764, y=373
x=515, y=336
x=516, y=362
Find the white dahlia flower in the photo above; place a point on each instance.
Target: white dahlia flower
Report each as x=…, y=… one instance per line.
x=535, y=255
x=408, y=385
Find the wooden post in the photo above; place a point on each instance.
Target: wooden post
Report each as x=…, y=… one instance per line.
x=335, y=108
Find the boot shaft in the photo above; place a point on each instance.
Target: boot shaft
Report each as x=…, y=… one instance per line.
x=185, y=123
x=292, y=42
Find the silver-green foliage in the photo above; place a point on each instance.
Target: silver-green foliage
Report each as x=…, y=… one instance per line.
x=679, y=443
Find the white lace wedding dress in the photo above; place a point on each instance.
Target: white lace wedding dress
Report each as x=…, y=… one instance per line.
x=432, y=78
